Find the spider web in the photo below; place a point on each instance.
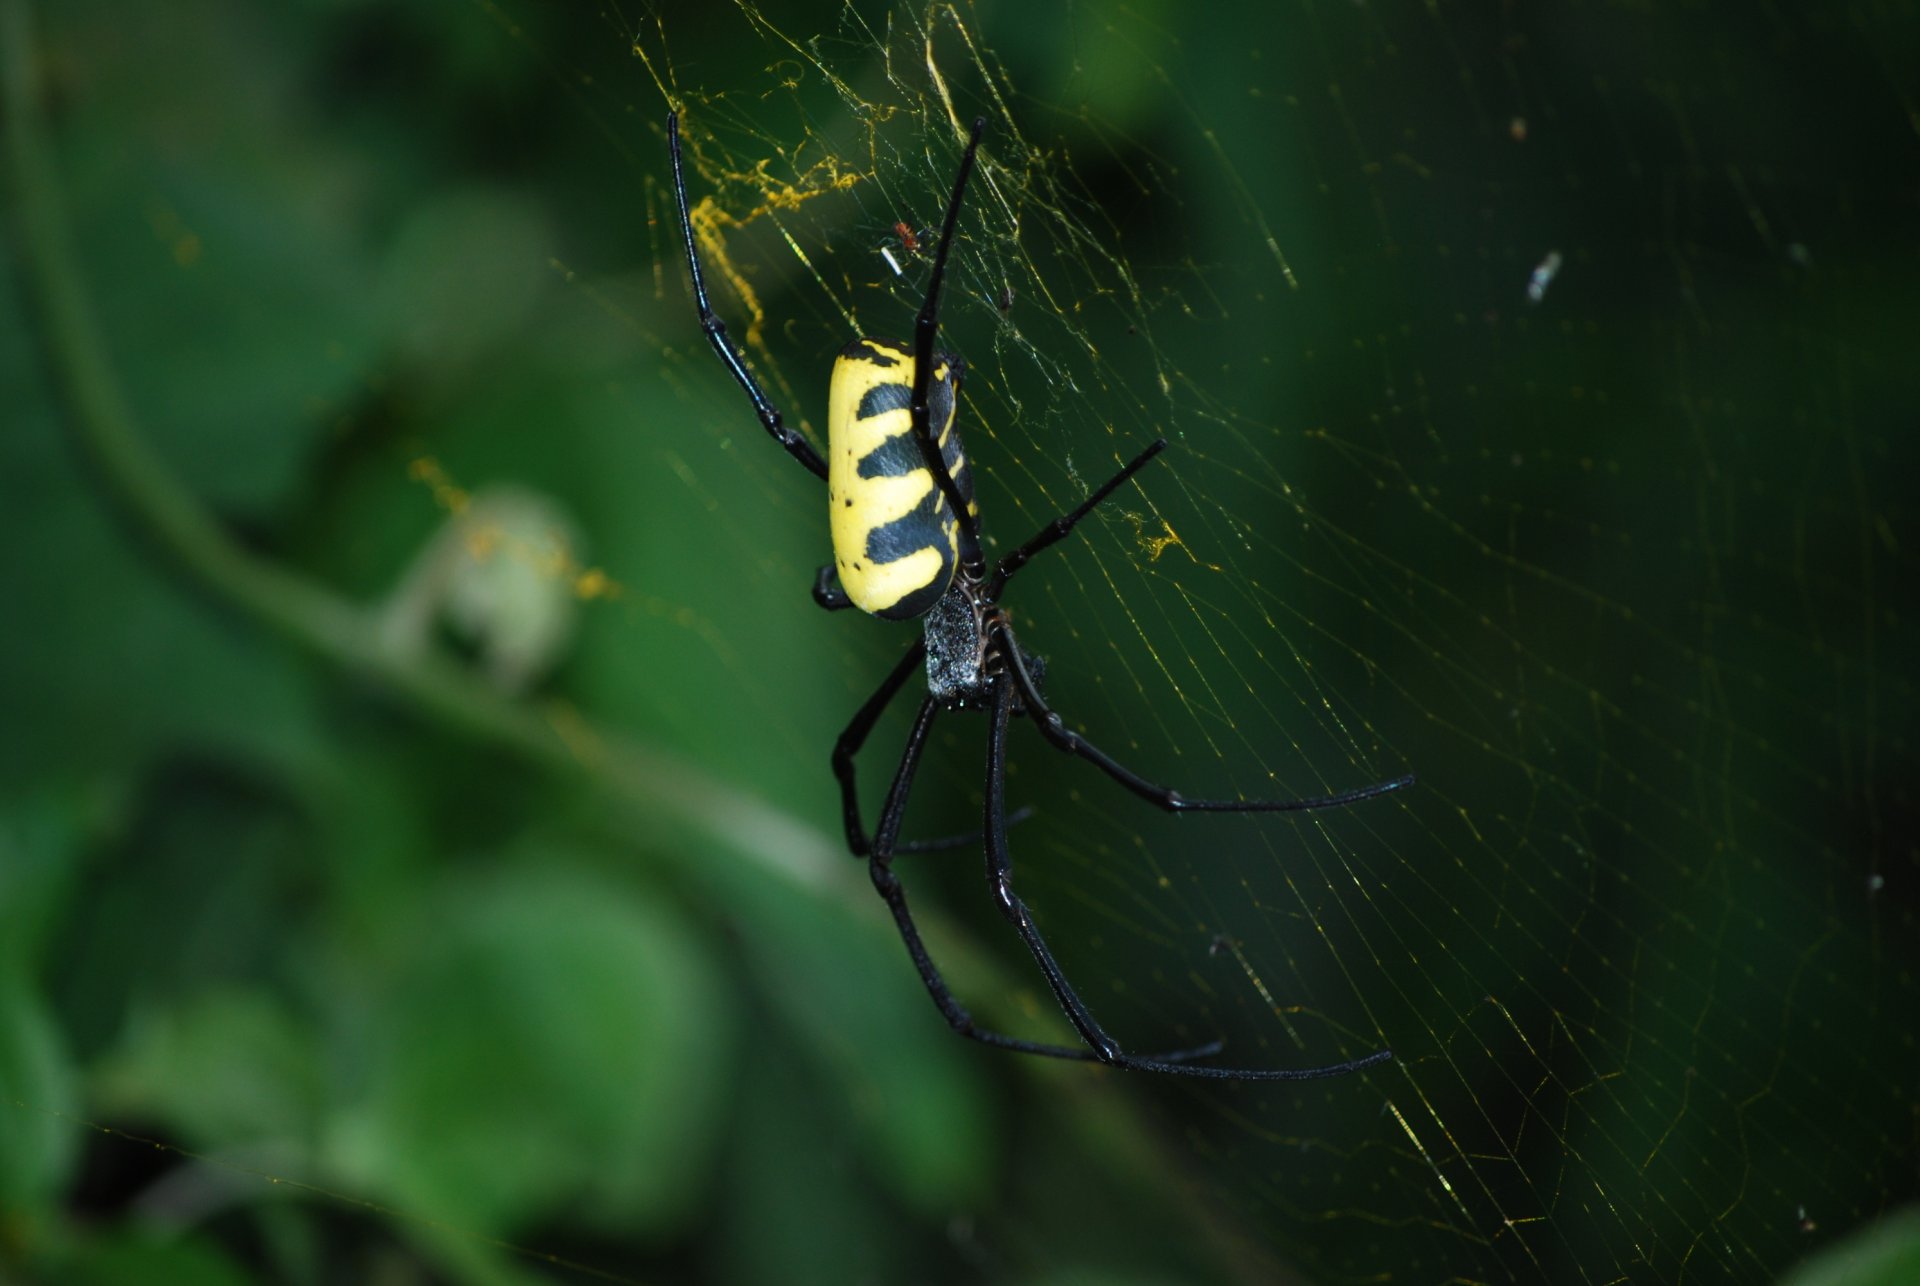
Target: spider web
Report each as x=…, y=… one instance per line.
x=1533, y=425
x=1539, y=393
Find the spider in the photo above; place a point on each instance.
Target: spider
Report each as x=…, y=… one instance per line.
x=906, y=542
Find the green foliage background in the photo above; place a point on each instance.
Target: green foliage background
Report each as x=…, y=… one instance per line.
x=416, y=981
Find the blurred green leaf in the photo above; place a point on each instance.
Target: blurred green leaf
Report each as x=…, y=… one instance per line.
x=117, y=1260
x=912, y=1088
x=553, y=1048
x=107, y=657
x=38, y=1097
x=234, y=272
x=204, y=884
x=1883, y=1253
x=38, y=871
x=224, y=1067
x=461, y=278
x=41, y=837
x=802, y=1209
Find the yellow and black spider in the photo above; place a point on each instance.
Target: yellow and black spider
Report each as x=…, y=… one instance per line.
x=906, y=544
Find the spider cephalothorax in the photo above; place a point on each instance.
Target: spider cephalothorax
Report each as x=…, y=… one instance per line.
x=967, y=636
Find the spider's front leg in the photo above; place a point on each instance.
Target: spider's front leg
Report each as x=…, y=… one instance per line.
x=716, y=330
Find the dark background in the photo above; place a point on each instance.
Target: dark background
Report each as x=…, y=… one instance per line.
x=419, y=970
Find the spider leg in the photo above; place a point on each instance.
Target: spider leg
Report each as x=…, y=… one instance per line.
x=963, y=840
x=855, y=735
x=1057, y=530
x=716, y=330
x=926, y=328
x=880, y=868
x=1104, y=1048
x=1055, y=730
x=827, y=592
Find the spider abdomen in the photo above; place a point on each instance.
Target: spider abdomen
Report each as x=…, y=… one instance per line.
x=896, y=541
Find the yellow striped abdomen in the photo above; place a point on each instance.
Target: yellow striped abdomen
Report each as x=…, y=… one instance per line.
x=895, y=539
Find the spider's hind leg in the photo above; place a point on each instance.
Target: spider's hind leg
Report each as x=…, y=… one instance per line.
x=1061, y=737
x=880, y=868
x=1104, y=1048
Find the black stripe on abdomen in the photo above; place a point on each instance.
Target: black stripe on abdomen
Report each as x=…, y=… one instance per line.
x=919, y=528
x=927, y=526
x=898, y=455
x=882, y=398
x=895, y=457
